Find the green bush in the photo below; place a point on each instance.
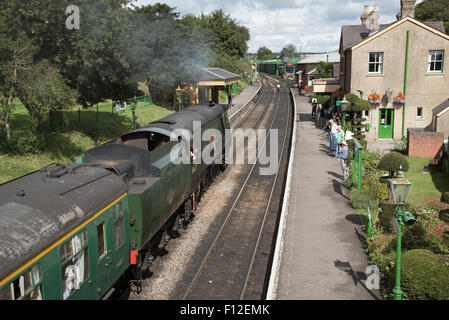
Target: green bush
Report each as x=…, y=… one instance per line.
x=363, y=200
x=445, y=197
x=392, y=161
x=375, y=188
x=388, y=212
x=425, y=275
x=27, y=143
x=385, y=215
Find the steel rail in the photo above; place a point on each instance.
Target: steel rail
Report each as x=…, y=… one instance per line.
x=220, y=232
x=268, y=205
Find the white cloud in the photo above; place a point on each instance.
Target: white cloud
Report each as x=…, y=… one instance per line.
x=315, y=25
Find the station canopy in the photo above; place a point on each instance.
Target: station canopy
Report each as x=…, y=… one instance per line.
x=216, y=77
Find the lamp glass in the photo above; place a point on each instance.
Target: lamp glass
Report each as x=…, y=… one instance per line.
x=344, y=104
x=388, y=93
x=179, y=91
x=400, y=188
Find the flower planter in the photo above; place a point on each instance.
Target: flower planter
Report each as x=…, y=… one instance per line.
x=374, y=101
x=399, y=101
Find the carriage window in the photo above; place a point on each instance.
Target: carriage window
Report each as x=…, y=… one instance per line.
x=27, y=286
x=101, y=246
x=119, y=234
x=75, y=263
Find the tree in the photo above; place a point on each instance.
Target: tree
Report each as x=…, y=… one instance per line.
x=92, y=59
x=289, y=51
x=433, y=10
x=225, y=38
x=325, y=69
x=356, y=108
x=42, y=89
x=263, y=53
x=15, y=58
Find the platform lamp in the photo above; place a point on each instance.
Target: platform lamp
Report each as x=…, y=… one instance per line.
x=344, y=107
x=400, y=188
x=179, y=97
x=388, y=94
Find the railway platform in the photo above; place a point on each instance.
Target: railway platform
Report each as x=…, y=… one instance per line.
x=244, y=97
x=319, y=254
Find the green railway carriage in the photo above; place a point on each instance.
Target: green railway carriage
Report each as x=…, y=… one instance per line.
x=63, y=233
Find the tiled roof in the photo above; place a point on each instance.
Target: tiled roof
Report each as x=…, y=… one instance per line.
x=216, y=74
x=354, y=34
x=333, y=57
x=440, y=108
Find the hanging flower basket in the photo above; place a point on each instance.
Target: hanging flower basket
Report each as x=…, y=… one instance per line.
x=400, y=98
x=375, y=98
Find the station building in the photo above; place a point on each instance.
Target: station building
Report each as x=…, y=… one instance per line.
x=407, y=57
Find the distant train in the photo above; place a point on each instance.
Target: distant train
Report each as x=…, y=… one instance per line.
x=77, y=231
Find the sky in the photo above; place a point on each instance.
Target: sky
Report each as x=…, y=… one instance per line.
x=310, y=25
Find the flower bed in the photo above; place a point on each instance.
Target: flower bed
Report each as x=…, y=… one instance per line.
x=430, y=232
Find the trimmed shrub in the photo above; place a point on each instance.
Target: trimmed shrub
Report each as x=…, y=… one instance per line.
x=363, y=200
x=392, y=161
x=375, y=188
x=425, y=275
x=445, y=197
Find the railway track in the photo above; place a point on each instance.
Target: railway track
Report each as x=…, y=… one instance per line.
x=232, y=257
x=236, y=263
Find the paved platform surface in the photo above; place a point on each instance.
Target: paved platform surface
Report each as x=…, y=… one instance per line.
x=322, y=255
x=243, y=97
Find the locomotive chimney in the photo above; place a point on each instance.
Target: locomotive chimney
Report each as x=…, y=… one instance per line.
x=407, y=9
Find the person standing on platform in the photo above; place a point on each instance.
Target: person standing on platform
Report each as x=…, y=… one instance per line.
x=340, y=137
x=343, y=155
x=333, y=135
x=229, y=100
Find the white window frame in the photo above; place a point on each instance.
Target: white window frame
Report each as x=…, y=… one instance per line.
x=432, y=61
x=378, y=63
x=422, y=113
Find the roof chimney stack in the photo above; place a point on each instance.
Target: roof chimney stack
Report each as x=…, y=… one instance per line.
x=407, y=9
x=370, y=18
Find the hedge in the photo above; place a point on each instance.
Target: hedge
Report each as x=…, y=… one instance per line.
x=425, y=275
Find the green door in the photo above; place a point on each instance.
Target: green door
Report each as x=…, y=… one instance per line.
x=386, y=123
x=113, y=246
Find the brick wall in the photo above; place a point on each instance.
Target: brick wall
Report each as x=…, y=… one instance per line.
x=424, y=144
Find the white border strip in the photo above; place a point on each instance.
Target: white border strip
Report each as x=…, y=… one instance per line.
x=241, y=108
x=274, y=276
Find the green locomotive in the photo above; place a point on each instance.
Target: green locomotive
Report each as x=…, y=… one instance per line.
x=76, y=231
